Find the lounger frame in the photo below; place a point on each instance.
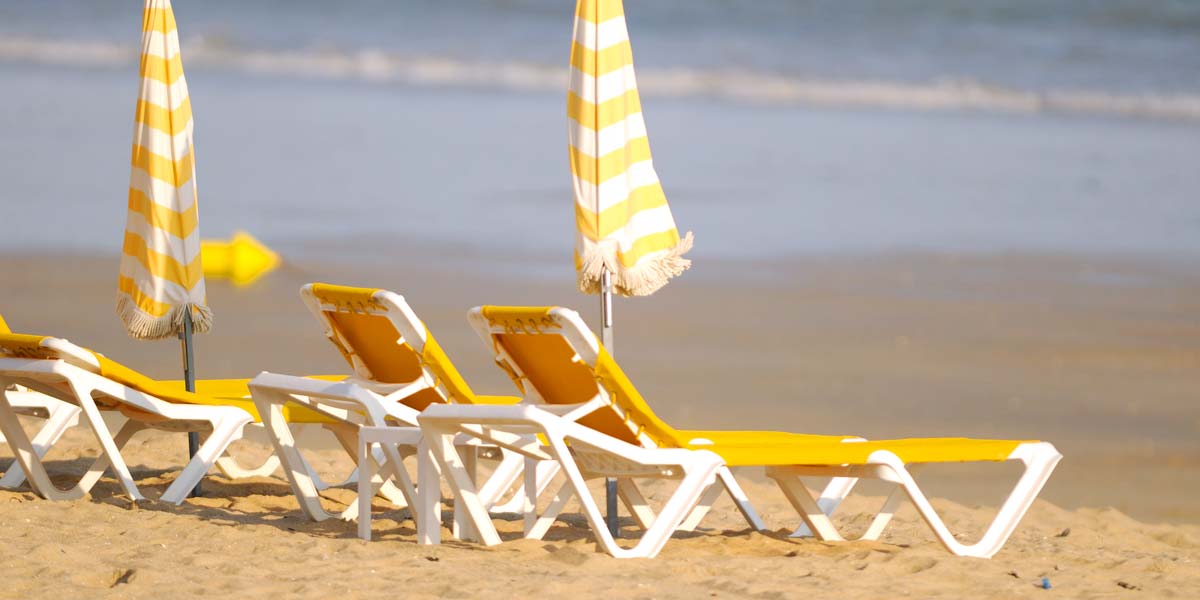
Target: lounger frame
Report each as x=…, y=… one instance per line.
x=582, y=453
x=358, y=402
x=219, y=425
x=587, y=349
x=58, y=417
x=1037, y=458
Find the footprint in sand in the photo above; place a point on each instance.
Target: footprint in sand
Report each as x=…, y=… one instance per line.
x=921, y=564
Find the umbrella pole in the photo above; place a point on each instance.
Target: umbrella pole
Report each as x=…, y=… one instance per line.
x=606, y=338
x=189, y=383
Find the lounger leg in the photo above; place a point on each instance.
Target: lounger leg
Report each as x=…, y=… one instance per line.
x=428, y=513
x=636, y=503
x=366, y=476
x=1039, y=459
x=62, y=416
x=233, y=469
x=388, y=490
x=26, y=459
x=545, y=471
x=725, y=482
x=677, y=508
x=541, y=524
x=295, y=468
x=801, y=499
x=832, y=496
x=466, y=499
x=391, y=466
x=711, y=494
x=502, y=479
x=461, y=526
x=230, y=467
x=740, y=499
x=696, y=473
x=885, y=514
x=529, y=496
x=102, y=463
x=224, y=432
x=96, y=423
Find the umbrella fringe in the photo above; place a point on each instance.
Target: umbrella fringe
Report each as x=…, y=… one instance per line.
x=643, y=279
x=143, y=326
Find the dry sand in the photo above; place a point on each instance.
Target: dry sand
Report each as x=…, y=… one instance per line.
x=1101, y=358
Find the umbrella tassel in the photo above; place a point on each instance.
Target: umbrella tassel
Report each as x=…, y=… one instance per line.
x=144, y=326
x=642, y=279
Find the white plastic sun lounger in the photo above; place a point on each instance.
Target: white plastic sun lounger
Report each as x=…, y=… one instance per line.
x=399, y=370
x=92, y=383
x=552, y=351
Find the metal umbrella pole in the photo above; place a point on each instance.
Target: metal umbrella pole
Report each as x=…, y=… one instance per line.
x=189, y=383
x=606, y=338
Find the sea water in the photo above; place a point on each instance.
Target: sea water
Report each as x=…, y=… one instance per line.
x=779, y=128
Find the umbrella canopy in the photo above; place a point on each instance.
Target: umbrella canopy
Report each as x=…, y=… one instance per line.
x=623, y=221
x=161, y=277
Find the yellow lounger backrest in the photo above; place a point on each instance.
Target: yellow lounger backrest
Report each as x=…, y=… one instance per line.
x=4, y=326
x=544, y=345
x=383, y=340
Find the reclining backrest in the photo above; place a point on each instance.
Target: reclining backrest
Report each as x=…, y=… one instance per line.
x=551, y=350
x=383, y=340
x=4, y=326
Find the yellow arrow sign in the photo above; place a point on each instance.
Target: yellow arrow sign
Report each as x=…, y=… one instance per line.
x=241, y=260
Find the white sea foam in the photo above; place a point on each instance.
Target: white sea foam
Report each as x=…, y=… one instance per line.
x=378, y=66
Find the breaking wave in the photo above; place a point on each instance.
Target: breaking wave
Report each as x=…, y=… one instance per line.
x=742, y=86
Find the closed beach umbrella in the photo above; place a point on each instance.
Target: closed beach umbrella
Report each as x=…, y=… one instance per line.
x=625, y=240
x=161, y=284
x=624, y=225
x=160, y=290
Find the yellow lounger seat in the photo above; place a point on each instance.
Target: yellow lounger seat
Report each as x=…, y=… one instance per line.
x=550, y=353
x=93, y=382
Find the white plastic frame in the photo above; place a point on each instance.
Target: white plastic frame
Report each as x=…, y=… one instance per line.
x=1038, y=458
x=78, y=385
x=513, y=428
x=361, y=402
x=59, y=417
x=587, y=349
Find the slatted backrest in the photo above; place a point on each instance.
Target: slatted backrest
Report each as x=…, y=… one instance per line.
x=382, y=339
x=551, y=350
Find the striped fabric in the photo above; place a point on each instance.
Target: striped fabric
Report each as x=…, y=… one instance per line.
x=622, y=218
x=161, y=277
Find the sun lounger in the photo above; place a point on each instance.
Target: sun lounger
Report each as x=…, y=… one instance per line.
x=399, y=370
x=93, y=383
x=552, y=354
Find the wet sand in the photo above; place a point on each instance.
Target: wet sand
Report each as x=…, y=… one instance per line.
x=1100, y=357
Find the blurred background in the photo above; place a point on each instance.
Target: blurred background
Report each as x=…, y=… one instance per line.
x=992, y=125
x=912, y=217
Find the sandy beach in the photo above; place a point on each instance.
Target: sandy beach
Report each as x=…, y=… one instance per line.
x=911, y=219
x=1100, y=357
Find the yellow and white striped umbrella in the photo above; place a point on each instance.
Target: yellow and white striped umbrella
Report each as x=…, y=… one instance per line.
x=621, y=213
x=161, y=276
